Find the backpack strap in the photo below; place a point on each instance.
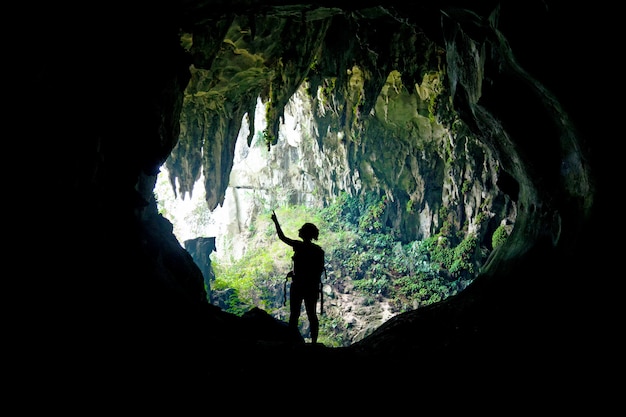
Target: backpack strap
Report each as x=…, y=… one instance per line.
x=322, y=293
x=290, y=274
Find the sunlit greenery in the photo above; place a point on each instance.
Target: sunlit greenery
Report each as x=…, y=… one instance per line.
x=360, y=248
x=499, y=236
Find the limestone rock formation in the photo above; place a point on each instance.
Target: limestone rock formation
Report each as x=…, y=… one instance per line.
x=200, y=250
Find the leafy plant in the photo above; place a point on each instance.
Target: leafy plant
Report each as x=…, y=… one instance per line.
x=499, y=236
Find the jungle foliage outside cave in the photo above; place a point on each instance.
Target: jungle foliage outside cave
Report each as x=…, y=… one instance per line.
x=362, y=254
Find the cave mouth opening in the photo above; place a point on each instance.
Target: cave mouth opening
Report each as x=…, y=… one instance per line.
x=424, y=201
x=373, y=273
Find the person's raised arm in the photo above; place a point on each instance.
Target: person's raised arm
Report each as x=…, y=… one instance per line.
x=279, y=231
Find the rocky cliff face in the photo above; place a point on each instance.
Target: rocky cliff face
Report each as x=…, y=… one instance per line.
x=430, y=173
x=126, y=81
x=357, y=129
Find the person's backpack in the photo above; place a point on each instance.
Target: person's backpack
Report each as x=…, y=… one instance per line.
x=309, y=263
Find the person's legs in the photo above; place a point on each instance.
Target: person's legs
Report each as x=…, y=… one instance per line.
x=295, y=304
x=310, y=304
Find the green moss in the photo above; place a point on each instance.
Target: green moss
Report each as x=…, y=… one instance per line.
x=186, y=41
x=499, y=236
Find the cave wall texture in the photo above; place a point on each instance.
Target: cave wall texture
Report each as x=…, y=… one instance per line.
x=122, y=305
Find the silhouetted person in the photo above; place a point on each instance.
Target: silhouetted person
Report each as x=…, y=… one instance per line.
x=308, y=265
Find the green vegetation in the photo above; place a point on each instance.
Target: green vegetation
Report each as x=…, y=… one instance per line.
x=499, y=236
x=360, y=247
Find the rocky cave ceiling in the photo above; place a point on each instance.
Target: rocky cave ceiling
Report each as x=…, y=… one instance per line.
x=113, y=80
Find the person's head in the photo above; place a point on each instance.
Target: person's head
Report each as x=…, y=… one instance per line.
x=308, y=231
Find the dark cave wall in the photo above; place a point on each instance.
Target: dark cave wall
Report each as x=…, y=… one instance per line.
x=112, y=91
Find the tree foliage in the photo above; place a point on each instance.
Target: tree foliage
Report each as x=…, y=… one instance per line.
x=360, y=248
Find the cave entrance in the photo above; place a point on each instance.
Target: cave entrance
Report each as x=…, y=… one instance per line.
x=374, y=272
